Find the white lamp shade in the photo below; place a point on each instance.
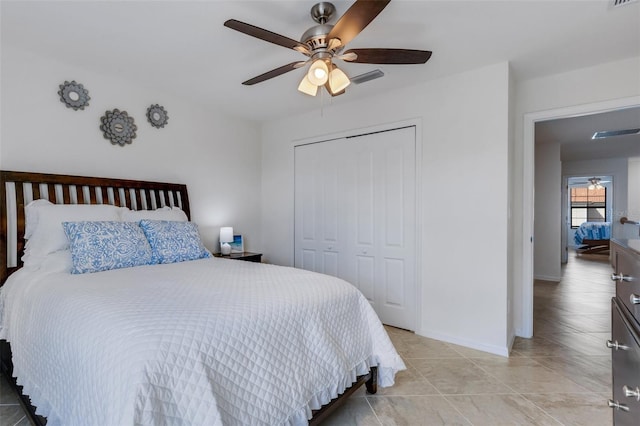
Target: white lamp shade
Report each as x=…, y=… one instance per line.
x=307, y=87
x=226, y=234
x=338, y=80
x=318, y=72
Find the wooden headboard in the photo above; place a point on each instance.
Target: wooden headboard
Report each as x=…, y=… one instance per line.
x=19, y=188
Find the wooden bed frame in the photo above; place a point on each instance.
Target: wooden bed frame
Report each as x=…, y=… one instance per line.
x=593, y=247
x=17, y=189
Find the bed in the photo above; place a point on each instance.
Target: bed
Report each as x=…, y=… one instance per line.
x=593, y=237
x=197, y=341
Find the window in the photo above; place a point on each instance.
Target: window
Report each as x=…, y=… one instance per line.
x=588, y=205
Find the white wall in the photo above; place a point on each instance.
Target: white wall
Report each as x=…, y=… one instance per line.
x=608, y=81
x=464, y=138
x=633, y=212
x=217, y=156
x=548, y=183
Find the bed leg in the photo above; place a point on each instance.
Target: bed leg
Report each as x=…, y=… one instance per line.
x=372, y=382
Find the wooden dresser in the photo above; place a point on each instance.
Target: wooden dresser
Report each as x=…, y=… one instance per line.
x=625, y=332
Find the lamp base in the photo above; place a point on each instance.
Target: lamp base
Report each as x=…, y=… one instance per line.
x=225, y=249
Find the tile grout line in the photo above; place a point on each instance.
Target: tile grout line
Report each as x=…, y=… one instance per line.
x=372, y=410
x=23, y=417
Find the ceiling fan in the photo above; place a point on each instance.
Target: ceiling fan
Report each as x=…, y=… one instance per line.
x=594, y=183
x=324, y=43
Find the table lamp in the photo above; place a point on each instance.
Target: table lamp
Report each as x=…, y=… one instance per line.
x=226, y=237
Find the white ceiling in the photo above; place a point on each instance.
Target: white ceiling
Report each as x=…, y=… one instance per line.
x=183, y=47
x=574, y=135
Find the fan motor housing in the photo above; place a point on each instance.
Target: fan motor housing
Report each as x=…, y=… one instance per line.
x=322, y=12
x=316, y=36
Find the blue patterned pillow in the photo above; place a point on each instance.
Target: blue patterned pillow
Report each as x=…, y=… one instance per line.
x=173, y=241
x=100, y=246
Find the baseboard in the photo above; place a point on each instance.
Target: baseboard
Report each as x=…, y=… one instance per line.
x=492, y=349
x=520, y=333
x=546, y=278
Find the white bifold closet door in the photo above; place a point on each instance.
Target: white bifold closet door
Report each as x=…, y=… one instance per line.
x=355, y=217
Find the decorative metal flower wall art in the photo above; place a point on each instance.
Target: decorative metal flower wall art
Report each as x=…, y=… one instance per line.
x=118, y=127
x=157, y=116
x=74, y=95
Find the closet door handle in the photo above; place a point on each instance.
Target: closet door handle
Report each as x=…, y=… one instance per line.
x=631, y=393
x=615, y=404
x=634, y=299
x=621, y=277
x=617, y=346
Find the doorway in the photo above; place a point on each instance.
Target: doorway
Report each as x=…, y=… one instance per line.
x=530, y=121
x=587, y=212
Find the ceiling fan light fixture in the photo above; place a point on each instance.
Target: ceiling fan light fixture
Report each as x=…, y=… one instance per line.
x=307, y=87
x=338, y=80
x=318, y=72
x=595, y=183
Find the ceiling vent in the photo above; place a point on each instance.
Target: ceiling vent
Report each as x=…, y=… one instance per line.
x=368, y=76
x=617, y=3
x=612, y=133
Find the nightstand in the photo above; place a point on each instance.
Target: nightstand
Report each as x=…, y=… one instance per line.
x=246, y=255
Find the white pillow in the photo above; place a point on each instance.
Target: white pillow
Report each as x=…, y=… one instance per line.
x=173, y=214
x=31, y=215
x=48, y=236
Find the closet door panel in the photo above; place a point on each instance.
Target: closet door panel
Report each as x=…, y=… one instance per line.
x=365, y=273
x=394, y=207
x=318, y=208
x=355, y=201
x=365, y=203
x=394, y=283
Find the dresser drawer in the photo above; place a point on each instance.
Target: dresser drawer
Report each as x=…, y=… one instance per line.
x=625, y=356
x=628, y=282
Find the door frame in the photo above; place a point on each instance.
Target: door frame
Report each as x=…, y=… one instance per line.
x=417, y=123
x=528, y=194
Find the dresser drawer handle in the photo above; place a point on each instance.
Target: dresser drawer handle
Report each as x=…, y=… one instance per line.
x=621, y=277
x=617, y=346
x=615, y=404
x=634, y=299
x=631, y=393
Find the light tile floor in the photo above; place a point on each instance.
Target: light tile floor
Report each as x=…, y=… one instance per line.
x=560, y=377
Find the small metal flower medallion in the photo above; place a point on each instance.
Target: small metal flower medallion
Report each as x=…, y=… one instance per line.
x=157, y=116
x=74, y=95
x=118, y=127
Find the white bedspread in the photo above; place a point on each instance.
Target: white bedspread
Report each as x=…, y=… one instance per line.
x=207, y=342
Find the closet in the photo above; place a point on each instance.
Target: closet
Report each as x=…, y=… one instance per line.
x=355, y=217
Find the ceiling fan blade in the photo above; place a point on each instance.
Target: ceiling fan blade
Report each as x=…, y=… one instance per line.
x=387, y=56
x=267, y=35
x=274, y=73
x=355, y=19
